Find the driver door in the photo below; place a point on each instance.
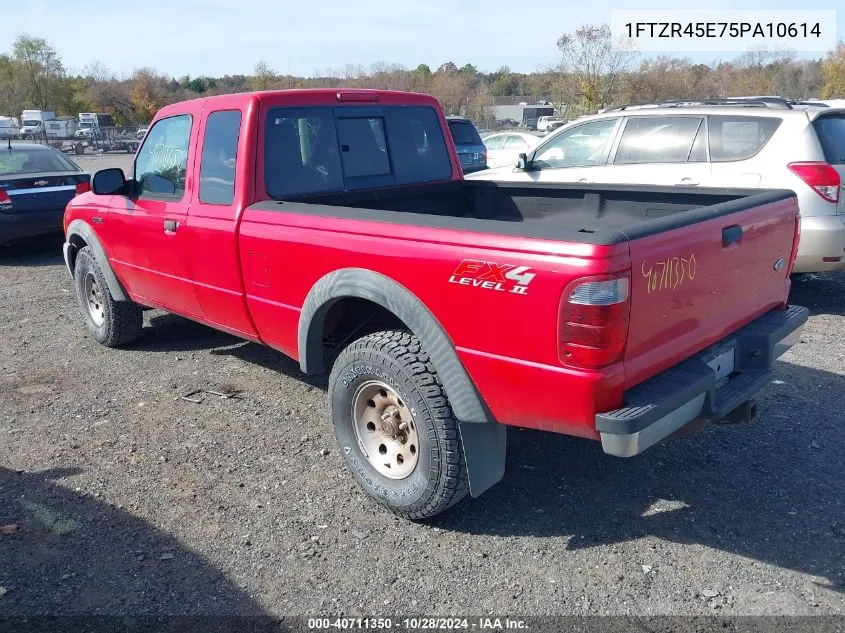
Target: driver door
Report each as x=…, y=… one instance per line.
x=148, y=230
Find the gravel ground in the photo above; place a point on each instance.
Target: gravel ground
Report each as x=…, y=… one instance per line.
x=129, y=500
x=92, y=162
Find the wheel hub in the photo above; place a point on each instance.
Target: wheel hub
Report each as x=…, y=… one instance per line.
x=385, y=430
x=94, y=299
x=390, y=421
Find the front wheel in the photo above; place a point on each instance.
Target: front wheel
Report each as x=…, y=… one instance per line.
x=111, y=323
x=395, y=427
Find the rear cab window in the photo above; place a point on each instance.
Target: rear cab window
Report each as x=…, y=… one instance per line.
x=735, y=137
x=831, y=132
x=325, y=149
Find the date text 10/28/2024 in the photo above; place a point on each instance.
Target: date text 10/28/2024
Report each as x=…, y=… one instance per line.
x=417, y=624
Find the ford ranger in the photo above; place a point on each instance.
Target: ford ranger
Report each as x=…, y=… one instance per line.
x=335, y=226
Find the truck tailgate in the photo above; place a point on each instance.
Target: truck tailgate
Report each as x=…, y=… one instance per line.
x=693, y=285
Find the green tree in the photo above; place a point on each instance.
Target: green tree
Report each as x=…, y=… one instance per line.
x=591, y=67
x=41, y=72
x=833, y=71
x=263, y=78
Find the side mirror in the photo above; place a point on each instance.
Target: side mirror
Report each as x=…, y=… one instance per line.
x=522, y=162
x=109, y=182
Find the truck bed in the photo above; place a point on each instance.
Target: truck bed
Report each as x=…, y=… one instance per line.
x=606, y=214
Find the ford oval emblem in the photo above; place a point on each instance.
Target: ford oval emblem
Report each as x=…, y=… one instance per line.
x=779, y=264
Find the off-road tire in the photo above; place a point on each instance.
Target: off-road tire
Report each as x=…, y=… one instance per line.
x=122, y=321
x=396, y=358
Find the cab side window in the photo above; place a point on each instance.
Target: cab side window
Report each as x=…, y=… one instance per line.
x=162, y=161
x=219, y=155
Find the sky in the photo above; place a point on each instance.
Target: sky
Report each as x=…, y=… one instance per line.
x=219, y=37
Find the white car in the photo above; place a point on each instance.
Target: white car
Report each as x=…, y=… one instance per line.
x=505, y=147
x=548, y=123
x=8, y=127
x=728, y=144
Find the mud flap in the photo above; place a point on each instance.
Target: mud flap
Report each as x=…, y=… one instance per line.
x=484, y=451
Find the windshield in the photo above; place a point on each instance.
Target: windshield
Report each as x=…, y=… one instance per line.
x=85, y=124
x=31, y=122
x=831, y=131
x=33, y=161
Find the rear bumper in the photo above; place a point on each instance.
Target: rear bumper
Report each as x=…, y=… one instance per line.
x=690, y=394
x=821, y=236
x=16, y=226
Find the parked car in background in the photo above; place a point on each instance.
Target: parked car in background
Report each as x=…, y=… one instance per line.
x=504, y=148
x=549, y=123
x=9, y=127
x=36, y=183
x=765, y=144
x=471, y=150
x=830, y=103
x=141, y=133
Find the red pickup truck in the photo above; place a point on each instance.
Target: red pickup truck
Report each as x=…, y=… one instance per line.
x=336, y=227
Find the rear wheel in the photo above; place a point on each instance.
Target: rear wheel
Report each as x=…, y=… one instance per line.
x=395, y=426
x=112, y=323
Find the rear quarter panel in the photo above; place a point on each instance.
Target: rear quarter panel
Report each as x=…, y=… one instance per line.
x=507, y=340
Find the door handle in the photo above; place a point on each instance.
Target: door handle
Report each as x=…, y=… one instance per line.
x=731, y=235
x=584, y=180
x=688, y=181
x=170, y=226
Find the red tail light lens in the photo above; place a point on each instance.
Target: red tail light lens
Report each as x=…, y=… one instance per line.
x=823, y=178
x=82, y=187
x=593, y=321
x=5, y=200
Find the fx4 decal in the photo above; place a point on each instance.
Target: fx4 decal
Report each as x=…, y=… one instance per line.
x=492, y=276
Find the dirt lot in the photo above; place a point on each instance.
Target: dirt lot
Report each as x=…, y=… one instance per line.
x=130, y=500
x=92, y=162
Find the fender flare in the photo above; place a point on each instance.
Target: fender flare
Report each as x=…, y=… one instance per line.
x=366, y=284
x=483, y=439
x=87, y=234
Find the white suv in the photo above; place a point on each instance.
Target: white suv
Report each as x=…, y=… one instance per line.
x=750, y=144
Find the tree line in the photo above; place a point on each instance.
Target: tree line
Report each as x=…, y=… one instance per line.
x=590, y=73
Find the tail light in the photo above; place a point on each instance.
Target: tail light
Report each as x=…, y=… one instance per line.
x=823, y=178
x=593, y=321
x=5, y=201
x=82, y=187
